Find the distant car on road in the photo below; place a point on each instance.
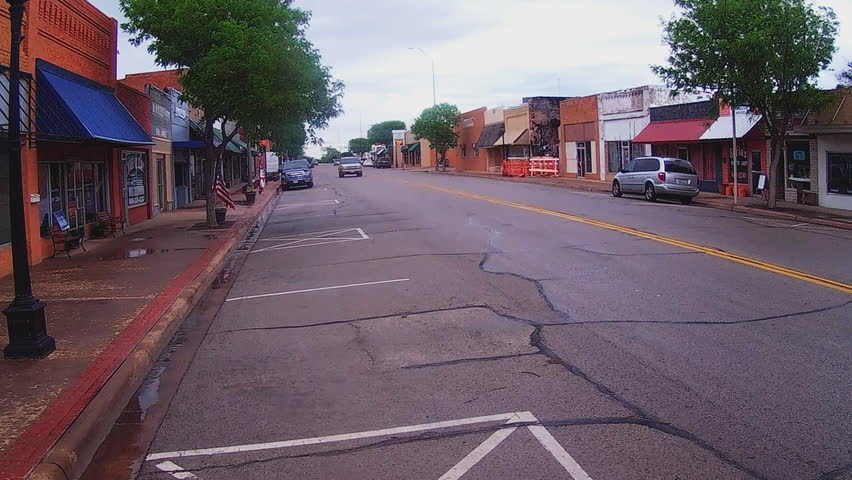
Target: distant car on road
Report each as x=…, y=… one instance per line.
x=657, y=177
x=314, y=163
x=383, y=162
x=350, y=166
x=336, y=162
x=296, y=173
x=368, y=162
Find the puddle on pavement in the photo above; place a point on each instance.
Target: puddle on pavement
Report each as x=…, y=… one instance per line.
x=125, y=253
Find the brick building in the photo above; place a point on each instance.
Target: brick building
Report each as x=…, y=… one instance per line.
x=466, y=155
x=84, y=152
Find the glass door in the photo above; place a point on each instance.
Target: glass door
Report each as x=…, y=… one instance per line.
x=161, y=181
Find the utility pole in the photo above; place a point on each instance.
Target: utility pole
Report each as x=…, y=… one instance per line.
x=25, y=316
x=434, y=94
x=734, y=154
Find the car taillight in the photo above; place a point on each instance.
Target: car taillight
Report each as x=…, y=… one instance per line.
x=662, y=176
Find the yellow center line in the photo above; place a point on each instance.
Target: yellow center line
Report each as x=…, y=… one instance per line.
x=714, y=252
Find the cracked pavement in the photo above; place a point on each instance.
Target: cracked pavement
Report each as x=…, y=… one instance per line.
x=642, y=361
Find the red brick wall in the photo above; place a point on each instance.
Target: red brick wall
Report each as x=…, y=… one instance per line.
x=475, y=119
x=137, y=103
x=162, y=80
x=578, y=121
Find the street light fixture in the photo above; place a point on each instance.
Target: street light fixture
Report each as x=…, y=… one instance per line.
x=434, y=97
x=25, y=316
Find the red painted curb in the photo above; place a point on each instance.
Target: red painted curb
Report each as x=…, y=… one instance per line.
x=34, y=443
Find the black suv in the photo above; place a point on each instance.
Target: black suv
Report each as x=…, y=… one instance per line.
x=383, y=162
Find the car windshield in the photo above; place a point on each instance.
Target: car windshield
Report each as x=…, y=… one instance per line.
x=295, y=165
x=679, y=166
x=349, y=161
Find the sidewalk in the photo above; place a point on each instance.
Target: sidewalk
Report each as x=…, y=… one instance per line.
x=787, y=210
x=101, y=304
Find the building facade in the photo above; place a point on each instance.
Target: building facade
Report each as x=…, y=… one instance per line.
x=467, y=155
x=79, y=136
x=162, y=163
x=582, y=155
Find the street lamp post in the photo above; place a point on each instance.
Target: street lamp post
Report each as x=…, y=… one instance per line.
x=434, y=96
x=25, y=316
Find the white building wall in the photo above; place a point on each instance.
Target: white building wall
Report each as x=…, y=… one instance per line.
x=841, y=143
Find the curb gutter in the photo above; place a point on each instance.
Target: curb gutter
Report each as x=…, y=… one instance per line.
x=63, y=440
x=734, y=208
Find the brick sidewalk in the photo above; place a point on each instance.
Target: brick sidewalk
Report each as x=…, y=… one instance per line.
x=786, y=210
x=93, y=299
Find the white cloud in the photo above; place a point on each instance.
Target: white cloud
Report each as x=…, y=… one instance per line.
x=487, y=52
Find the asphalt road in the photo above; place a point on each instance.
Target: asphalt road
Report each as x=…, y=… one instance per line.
x=394, y=326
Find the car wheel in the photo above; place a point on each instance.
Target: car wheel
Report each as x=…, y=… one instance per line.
x=360, y=174
x=650, y=192
x=686, y=200
x=340, y=175
x=311, y=185
x=285, y=187
x=616, y=189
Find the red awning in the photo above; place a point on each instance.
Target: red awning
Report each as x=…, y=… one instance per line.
x=674, y=131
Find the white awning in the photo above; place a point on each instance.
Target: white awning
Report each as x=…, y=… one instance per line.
x=722, y=128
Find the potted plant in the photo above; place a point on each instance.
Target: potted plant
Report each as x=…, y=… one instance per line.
x=250, y=192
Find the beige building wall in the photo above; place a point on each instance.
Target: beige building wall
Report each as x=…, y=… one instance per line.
x=163, y=147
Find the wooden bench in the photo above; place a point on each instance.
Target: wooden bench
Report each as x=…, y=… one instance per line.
x=65, y=241
x=110, y=224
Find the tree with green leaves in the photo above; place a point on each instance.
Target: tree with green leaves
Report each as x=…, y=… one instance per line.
x=765, y=54
x=845, y=77
x=382, y=133
x=245, y=63
x=438, y=125
x=288, y=140
x=330, y=154
x=359, y=146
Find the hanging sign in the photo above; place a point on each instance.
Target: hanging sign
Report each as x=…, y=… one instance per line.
x=61, y=221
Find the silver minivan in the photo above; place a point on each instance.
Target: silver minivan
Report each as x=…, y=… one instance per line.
x=657, y=177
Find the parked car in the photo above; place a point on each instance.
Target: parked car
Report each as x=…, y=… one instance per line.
x=657, y=177
x=368, y=162
x=296, y=173
x=314, y=163
x=383, y=162
x=350, y=166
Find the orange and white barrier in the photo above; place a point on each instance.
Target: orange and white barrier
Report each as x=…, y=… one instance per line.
x=516, y=168
x=545, y=167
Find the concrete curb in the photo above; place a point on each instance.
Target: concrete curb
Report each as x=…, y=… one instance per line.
x=72, y=452
x=734, y=208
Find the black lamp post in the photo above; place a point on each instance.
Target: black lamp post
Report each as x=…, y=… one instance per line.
x=25, y=316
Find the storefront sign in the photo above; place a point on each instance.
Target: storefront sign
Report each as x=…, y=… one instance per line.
x=61, y=221
x=799, y=155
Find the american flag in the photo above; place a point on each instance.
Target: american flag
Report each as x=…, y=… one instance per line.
x=222, y=193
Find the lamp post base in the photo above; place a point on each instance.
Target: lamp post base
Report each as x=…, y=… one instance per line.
x=28, y=336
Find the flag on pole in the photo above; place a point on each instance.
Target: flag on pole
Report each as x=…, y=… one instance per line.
x=223, y=194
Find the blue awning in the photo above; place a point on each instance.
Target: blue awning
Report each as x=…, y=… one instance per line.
x=196, y=144
x=74, y=108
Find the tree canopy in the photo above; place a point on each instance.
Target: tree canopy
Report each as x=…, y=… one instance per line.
x=360, y=145
x=330, y=154
x=382, y=133
x=438, y=125
x=247, y=62
x=765, y=54
x=288, y=139
x=845, y=77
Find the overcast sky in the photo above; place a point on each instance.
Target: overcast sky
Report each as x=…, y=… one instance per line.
x=487, y=52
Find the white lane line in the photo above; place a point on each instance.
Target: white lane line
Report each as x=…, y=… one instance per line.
x=555, y=448
x=304, y=217
x=478, y=453
x=318, y=238
x=311, y=204
x=319, y=289
x=330, y=438
x=175, y=470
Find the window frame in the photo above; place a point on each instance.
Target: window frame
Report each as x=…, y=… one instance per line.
x=828, y=173
x=138, y=164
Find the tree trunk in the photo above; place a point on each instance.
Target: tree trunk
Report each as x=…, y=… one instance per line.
x=211, y=161
x=774, y=170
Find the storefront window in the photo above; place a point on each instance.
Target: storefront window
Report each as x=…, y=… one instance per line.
x=619, y=154
x=798, y=163
x=135, y=178
x=519, y=151
x=840, y=173
x=77, y=190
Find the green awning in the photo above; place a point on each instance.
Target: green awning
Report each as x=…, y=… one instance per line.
x=411, y=147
